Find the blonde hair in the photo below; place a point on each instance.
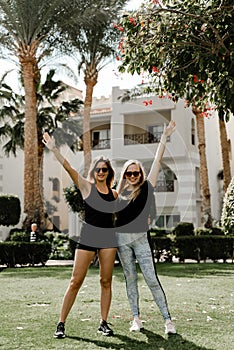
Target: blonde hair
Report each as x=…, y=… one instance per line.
x=111, y=172
x=122, y=182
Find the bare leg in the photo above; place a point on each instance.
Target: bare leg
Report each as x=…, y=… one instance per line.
x=106, y=260
x=82, y=262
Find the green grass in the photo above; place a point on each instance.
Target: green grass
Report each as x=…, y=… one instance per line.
x=200, y=298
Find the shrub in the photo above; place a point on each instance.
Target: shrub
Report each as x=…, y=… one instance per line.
x=19, y=236
x=227, y=217
x=23, y=253
x=60, y=243
x=74, y=199
x=9, y=210
x=204, y=247
x=184, y=229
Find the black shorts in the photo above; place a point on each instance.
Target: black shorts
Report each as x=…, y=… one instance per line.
x=88, y=248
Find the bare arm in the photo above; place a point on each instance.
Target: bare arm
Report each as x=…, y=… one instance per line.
x=78, y=180
x=154, y=171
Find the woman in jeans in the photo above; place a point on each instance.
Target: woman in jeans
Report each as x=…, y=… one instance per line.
x=97, y=234
x=135, y=194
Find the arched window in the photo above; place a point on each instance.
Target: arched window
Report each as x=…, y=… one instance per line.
x=193, y=132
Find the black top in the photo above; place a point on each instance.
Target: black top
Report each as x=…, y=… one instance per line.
x=132, y=215
x=97, y=229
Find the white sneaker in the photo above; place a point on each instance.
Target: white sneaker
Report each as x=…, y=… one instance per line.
x=136, y=325
x=169, y=328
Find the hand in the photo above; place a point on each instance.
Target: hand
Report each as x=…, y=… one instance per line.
x=170, y=128
x=48, y=141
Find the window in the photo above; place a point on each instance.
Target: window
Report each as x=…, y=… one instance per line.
x=56, y=189
x=101, y=139
x=167, y=221
x=56, y=222
x=155, y=132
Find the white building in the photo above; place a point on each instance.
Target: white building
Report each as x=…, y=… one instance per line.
x=131, y=130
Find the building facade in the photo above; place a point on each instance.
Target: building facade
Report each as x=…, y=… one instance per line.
x=132, y=130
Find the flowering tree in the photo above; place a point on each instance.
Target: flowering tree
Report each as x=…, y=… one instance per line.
x=227, y=218
x=186, y=49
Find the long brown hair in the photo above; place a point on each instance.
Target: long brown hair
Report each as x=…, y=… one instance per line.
x=111, y=172
x=122, y=182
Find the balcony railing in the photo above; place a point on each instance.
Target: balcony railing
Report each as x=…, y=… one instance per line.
x=164, y=186
x=131, y=139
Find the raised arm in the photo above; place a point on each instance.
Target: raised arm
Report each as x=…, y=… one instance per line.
x=79, y=180
x=153, y=174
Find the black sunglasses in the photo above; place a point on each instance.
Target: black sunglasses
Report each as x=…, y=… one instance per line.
x=134, y=173
x=104, y=170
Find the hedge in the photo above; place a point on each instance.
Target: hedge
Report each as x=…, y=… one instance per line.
x=204, y=247
x=23, y=253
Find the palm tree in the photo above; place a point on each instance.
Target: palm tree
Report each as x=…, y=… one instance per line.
x=51, y=116
x=29, y=32
x=24, y=28
x=96, y=44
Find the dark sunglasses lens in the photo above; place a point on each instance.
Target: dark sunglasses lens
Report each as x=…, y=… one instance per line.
x=104, y=170
x=130, y=173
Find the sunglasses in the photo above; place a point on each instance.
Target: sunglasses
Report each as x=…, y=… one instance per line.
x=104, y=170
x=132, y=173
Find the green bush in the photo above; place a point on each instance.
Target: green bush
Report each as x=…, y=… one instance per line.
x=213, y=231
x=9, y=210
x=60, y=245
x=159, y=232
x=19, y=236
x=74, y=199
x=184, y=229
x=162, y=248
x=200, y=231
x=23, y=253
x=204, y=247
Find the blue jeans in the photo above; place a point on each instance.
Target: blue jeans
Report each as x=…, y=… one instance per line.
x=132, y=246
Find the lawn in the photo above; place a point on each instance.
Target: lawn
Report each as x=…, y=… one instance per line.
x=200, y=298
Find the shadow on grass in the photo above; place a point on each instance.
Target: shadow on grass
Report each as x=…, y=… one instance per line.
x=154, y=341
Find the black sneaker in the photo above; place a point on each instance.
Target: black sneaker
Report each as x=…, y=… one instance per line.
x=60, y=331
x=105, y=329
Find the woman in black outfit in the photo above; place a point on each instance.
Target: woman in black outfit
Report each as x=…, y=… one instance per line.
x=97, y=234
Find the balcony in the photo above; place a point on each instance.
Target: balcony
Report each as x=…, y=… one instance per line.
x=131, y=139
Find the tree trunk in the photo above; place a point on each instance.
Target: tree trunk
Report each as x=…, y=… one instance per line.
x=90, y=81
x=225, y=154
x=33, y=205
x=41, y=187
x=204, y=181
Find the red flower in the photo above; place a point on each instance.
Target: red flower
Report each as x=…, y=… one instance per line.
x=155, y=69
x=196, y=80
x=147, y=103
x=132, y=20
